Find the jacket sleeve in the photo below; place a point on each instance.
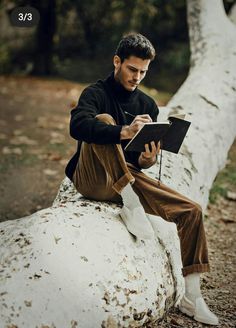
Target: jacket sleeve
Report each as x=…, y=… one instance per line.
x=85, y=126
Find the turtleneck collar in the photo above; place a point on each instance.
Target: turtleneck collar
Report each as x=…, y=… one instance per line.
x=119, y=91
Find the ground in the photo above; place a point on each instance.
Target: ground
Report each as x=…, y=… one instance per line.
x=35, y=146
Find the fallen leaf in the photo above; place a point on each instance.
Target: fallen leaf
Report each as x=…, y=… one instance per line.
x=4, y=90
x=6, y=150
x=43, y=122
x=23, y=140
x=18, y=118
x=177, y=321
x=54, y=157
x=49, y=172
x=63, y=162
x=57, y=137
x=42, y=156
x=17, y=151
x=17, y=132
x=9, y=151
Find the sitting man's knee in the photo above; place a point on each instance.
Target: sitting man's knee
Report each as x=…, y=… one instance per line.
x=193, y=212
x=197, y=207
x=197, y=212
x=106, y=118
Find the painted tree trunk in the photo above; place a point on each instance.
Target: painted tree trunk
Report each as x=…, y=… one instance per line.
x=75, y=264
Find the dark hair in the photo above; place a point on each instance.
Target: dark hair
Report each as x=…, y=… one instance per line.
x=135, y=44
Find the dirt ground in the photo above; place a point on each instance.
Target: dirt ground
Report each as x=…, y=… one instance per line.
x=35, y=147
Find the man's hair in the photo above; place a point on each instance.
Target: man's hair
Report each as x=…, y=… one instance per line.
x=135, y=44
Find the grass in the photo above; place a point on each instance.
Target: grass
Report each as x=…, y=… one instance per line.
x=226, y=178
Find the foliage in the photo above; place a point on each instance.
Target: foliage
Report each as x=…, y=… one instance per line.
x=225, y=180
x=72, y=32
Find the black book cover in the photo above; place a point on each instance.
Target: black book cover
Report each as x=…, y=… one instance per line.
x=170, y=133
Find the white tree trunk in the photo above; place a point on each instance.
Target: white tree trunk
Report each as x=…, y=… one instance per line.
x=209, y=97
x=75, y=264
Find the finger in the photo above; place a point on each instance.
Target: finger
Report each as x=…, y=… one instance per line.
x=147, y=149
x=141, y=119
x=145, y=116
x=158, y=147
x=153, y=147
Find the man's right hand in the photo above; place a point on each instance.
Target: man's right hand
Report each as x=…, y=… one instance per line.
x=128, y=131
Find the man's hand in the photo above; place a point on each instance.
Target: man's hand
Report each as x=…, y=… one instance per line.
x=148, y=157
x=128, y=131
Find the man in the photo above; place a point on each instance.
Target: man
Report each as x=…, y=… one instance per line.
x=108, y=115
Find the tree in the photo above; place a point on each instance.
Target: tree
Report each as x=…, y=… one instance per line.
x=76, y=262
x=42, y=63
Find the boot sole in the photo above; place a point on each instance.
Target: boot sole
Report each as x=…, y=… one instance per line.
x=190, y=314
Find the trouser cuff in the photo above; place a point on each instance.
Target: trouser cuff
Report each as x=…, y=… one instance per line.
x=196, y=268
x=122, y=182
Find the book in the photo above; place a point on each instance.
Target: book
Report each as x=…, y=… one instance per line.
x=170, y=133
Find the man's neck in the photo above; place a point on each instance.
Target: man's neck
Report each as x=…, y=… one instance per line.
x=118, y=89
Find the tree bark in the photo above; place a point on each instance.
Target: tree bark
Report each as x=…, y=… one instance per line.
x=75, y=262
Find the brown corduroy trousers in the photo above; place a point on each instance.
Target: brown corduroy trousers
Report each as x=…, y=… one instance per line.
x=102, y=173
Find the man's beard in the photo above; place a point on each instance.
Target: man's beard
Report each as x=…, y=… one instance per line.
x=118, y=78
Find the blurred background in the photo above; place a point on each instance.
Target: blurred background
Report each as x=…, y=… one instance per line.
x=43, y=70
x=76, y=39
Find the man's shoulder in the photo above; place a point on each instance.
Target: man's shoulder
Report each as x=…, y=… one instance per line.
x=145, y=97
x=96, y=87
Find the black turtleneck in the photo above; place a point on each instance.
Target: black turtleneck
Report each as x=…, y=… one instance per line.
x=107, y=96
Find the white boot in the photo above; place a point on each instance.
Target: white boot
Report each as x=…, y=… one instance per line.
x=134, y=216
x=193, y=303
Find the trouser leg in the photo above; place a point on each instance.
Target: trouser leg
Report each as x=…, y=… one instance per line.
x=158, y=199
x=102, y=172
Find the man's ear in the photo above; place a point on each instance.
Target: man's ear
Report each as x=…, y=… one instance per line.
x=116, y=61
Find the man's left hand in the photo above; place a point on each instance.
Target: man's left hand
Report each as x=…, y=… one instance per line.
x=148, y=157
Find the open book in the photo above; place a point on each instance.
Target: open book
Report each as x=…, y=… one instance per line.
x=171, y=134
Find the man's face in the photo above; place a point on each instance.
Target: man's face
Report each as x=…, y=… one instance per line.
x=131, y=72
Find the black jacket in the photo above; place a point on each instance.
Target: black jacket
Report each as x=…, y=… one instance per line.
x=107, y=96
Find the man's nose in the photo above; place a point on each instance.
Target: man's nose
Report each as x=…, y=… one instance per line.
x=136, y=76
